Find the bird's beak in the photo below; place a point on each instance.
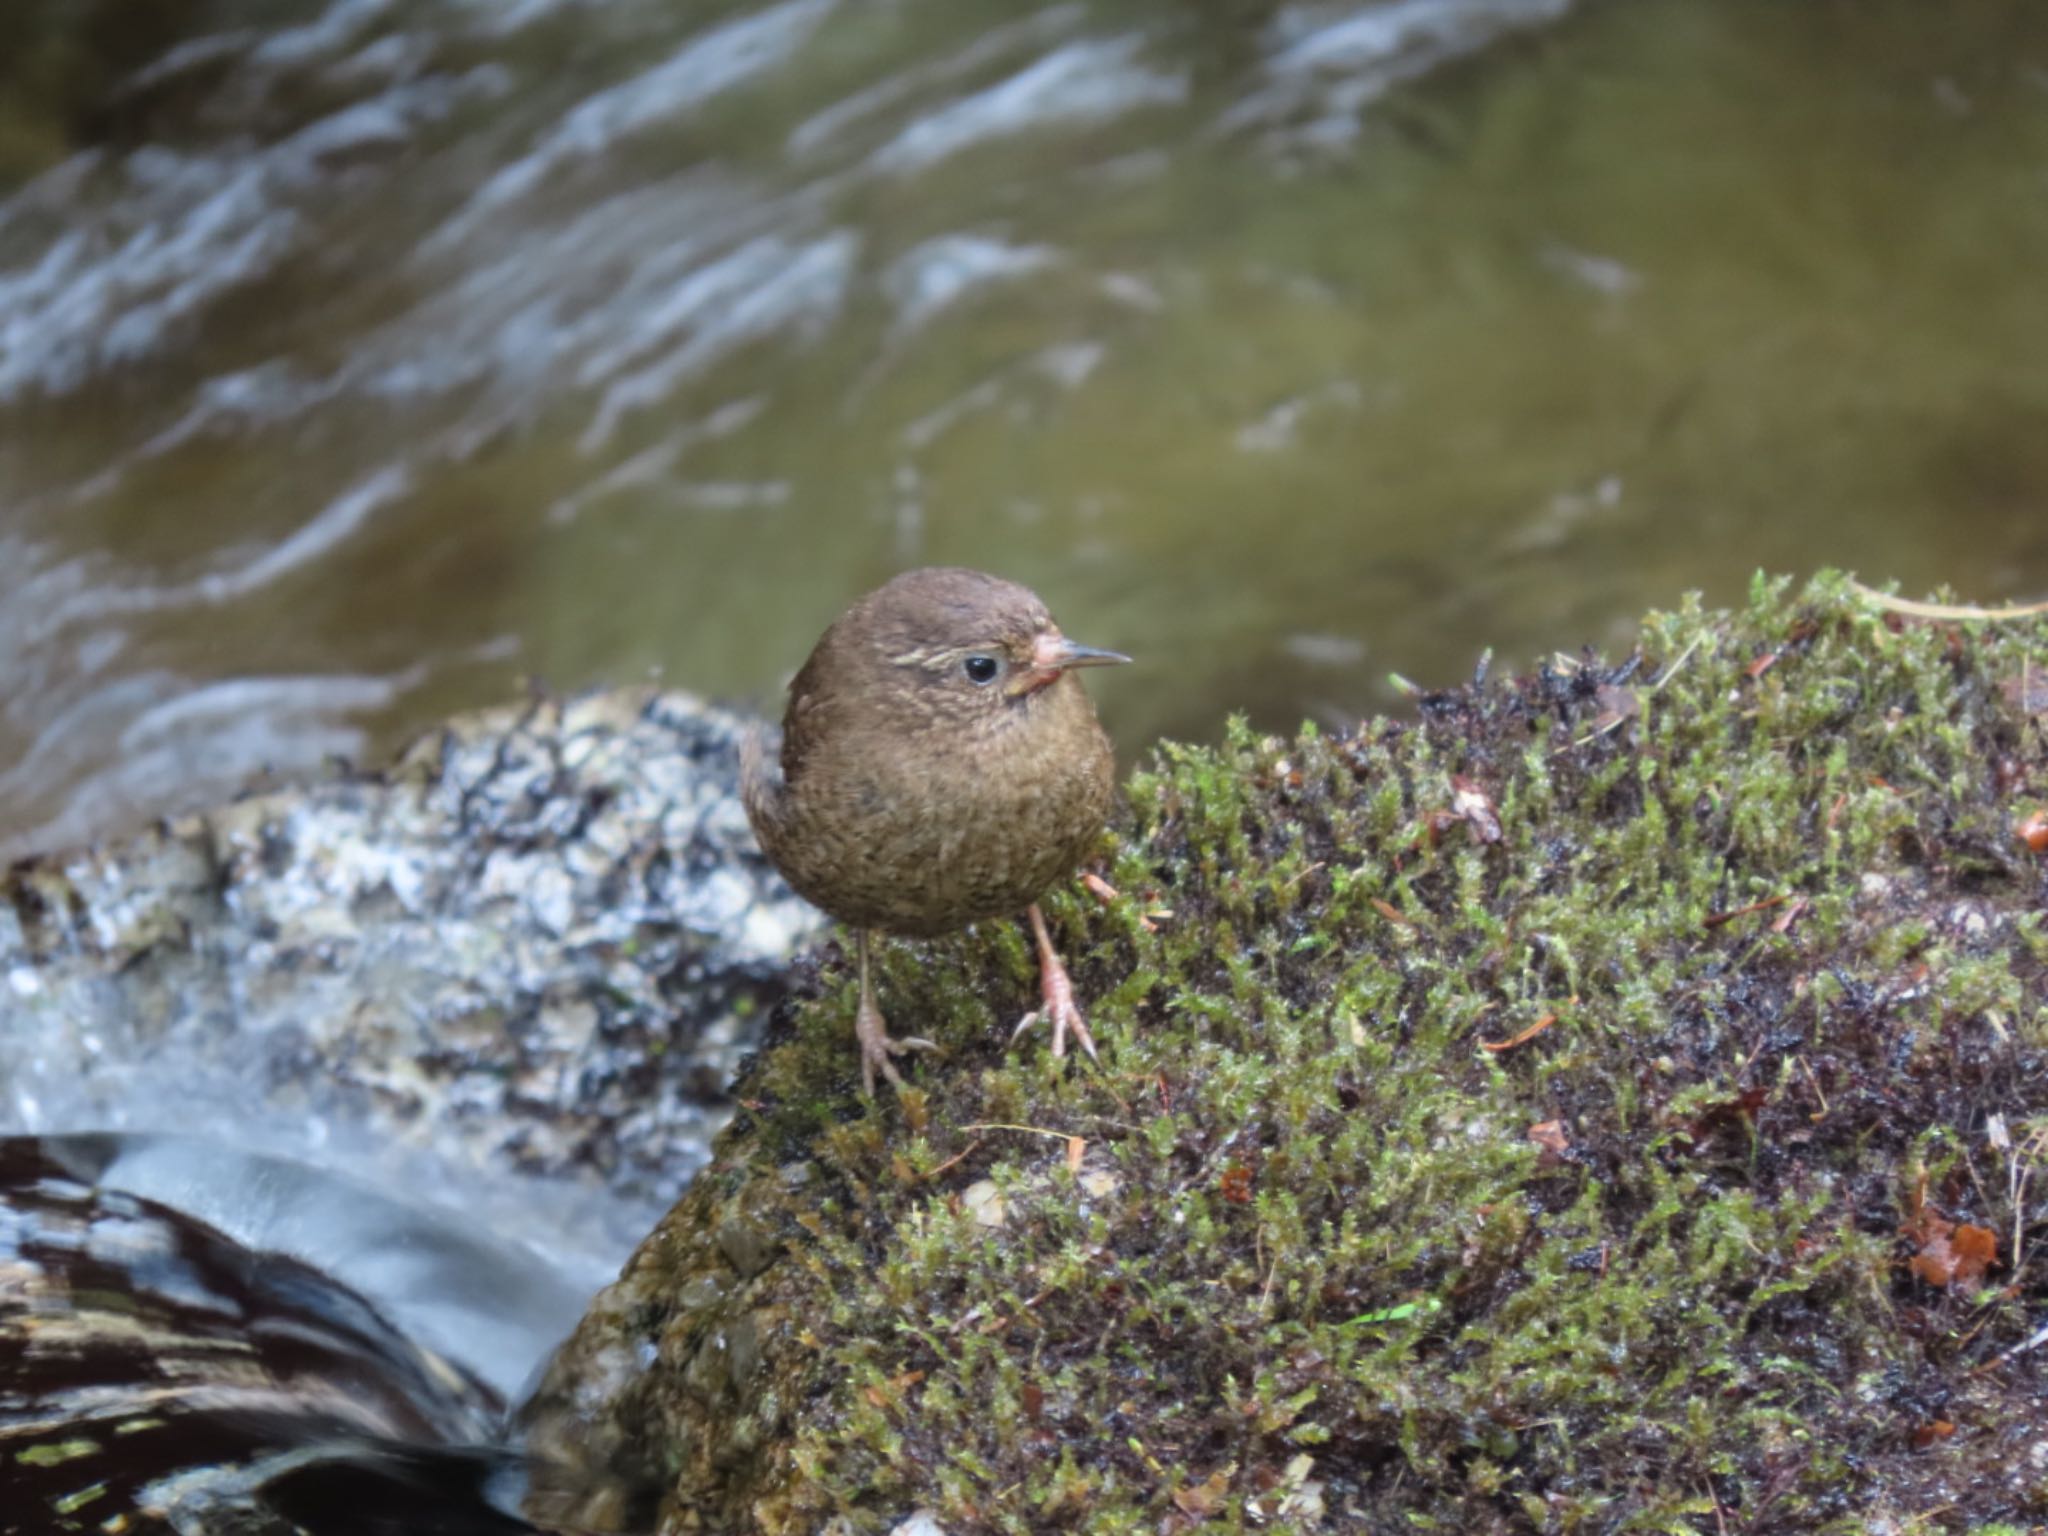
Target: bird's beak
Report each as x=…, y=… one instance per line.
x=1053, y=655
x=1054, y=652
x=1057, y=654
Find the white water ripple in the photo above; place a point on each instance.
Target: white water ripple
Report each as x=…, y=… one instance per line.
x=1326, y=63
x=1077, y=85
x=172, y=234
x=706, y=67
x=766, y=287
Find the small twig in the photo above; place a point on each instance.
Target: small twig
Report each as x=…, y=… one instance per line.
x=998, y=1324
x=1035, y=1130
x=1720, y=1519
x=1716, y=919
x=965, y=1152
x=1672, y=671
x=1970, y=1163
x=2019, y=1171
x=1523, y=1038
x=1595, y=734
x=1817, y=1092
x=1906, y=605
x=1107, y=894
x=1783, y=922
x=1291, y=884
x=2033, y=1341
x=1099, y=888
x=1984, y=1320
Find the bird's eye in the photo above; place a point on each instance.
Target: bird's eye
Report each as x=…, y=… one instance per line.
x=980, y=670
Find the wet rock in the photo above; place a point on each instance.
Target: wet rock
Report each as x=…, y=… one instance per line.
x=536, y=945
x=619, y=1407
x=492, y=1307
x=161, y=1377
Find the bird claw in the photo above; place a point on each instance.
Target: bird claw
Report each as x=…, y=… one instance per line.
x=1066, y=1019
x=1056, y=996
x=877, y=1045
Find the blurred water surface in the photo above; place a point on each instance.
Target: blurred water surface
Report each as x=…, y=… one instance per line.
x=357, y=358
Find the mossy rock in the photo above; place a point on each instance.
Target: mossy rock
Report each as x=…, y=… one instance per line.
x=1543, y=1116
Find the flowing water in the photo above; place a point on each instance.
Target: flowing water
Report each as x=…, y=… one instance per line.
x=358, y=358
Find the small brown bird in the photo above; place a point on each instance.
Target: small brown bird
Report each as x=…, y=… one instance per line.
x=941, y=764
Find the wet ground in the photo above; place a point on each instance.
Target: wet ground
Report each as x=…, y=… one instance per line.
x=358, y=359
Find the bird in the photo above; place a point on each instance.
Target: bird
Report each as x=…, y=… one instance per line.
x=941, y=765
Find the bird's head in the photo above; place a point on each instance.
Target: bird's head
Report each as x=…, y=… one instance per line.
x=948, y=644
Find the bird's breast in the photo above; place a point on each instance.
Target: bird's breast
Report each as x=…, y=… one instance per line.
x=927, y=832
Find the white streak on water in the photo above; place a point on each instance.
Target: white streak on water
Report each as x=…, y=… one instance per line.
x=191, y=55
x=1603, y=274
x=764, y=288
x=341, y=24
x=706, y=67
x=208, y=718
x=97, y=301
x=833, y=124
x=1069, y=363
x=335, y=523
x=652, y=467
x=136, y=270
x=79, y=591
x=732, y=495
x=119, y=744
x=935, y=424
x=1324, y=650
x=251, y=397
x=501, y=18
x=1278, y=428
x=933, y=276
x=1080, y=84
x=1326, y=63
x=520, y=313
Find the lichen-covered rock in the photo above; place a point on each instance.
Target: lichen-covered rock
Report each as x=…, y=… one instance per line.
x=1615, y=1101
x=537, y=944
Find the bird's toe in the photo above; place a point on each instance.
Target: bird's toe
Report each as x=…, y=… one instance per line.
x=1067, y=1020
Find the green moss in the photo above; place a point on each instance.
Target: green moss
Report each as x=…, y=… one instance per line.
x=1551, y=1181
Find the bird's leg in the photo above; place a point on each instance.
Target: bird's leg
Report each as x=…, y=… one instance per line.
x=1056, y=992
x=876, y=1046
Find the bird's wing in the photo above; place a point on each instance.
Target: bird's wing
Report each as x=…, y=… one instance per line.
x=804, y=722
x=763, y=788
